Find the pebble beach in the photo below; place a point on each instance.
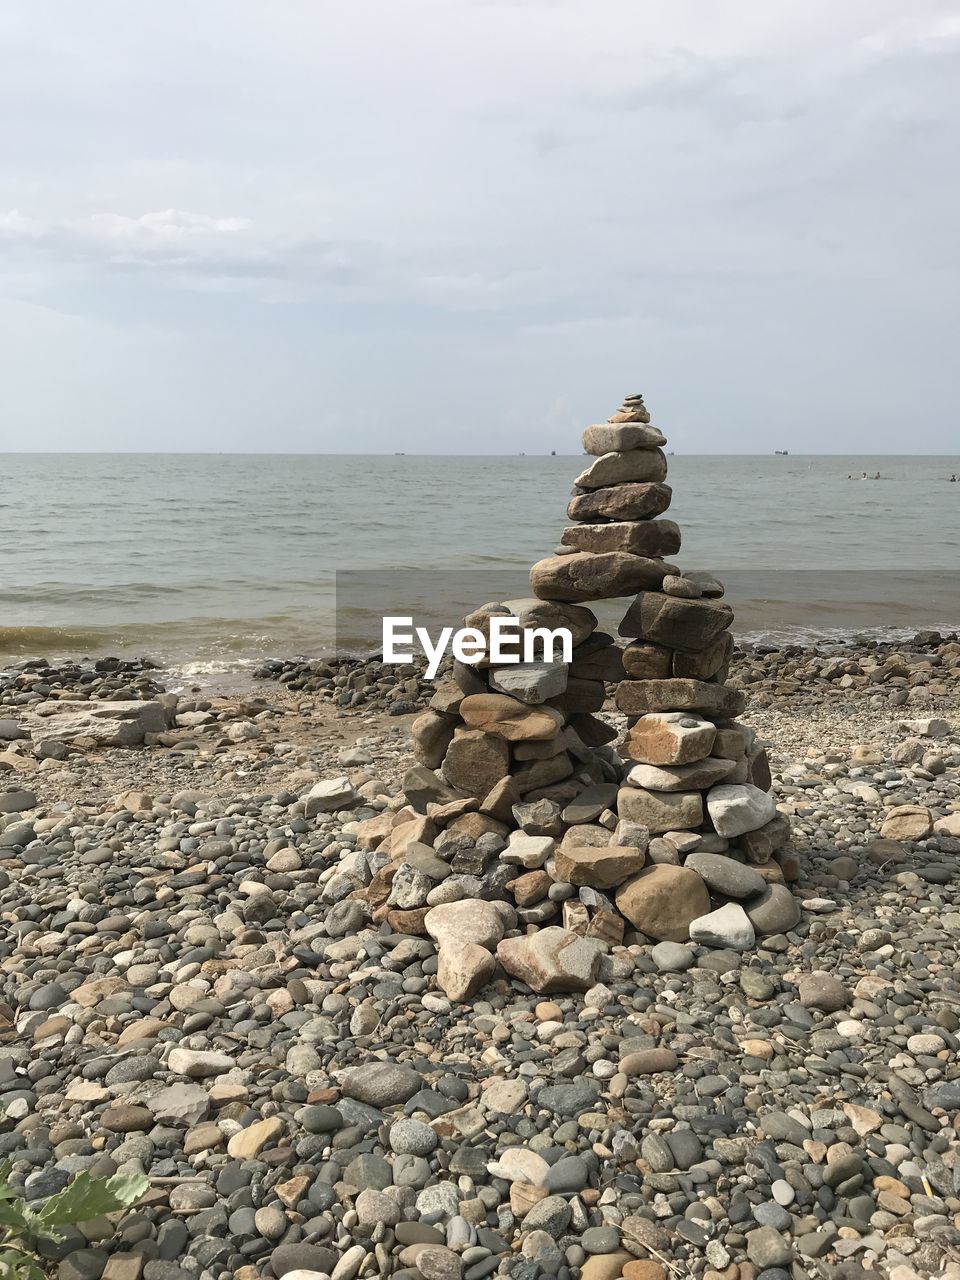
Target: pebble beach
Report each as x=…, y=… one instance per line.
x=193, y=987
x=458, y=822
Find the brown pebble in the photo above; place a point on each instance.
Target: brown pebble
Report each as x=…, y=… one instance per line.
x=647, y=1062
x=893, y=1203
x=605, y=1266
x=323, y=1095
x=643, y=1270
x=884, y=1182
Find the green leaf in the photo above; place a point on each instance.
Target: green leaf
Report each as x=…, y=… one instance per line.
x=88, y=1197
x=21, y=1219
x=6, y=1191
x=16, y=1265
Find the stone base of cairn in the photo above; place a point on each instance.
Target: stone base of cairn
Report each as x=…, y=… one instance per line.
x=528, y=840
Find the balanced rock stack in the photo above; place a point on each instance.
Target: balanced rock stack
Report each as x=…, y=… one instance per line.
x=527, y=840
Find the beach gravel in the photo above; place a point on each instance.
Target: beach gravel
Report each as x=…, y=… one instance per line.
x=191, y=986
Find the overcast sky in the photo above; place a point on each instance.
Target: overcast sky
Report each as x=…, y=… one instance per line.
x=474, y=225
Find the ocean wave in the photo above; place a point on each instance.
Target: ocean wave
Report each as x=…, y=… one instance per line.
x=27, y=641
x=46, y=594
x=52, y=594
x=219, y=641
x=807, y=637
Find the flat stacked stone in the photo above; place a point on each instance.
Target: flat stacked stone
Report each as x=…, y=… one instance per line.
x=520, y=806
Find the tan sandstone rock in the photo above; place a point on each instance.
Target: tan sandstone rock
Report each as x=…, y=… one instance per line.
x=670, y=738
x=638, y=537
x=505, y=717
x=624, y=468
x=476, y=761
x=680, y=777
x=663, y=901
x=463, y=968
x=602, y=868
x=638, y=697
x=609, y=437
x=469, y=920
x=621, y=502
x=907, y=822
x=432, y=734
x=645, y=661
x=584, y=576
x=552, y=959
x=661, y=811
x=948, y=826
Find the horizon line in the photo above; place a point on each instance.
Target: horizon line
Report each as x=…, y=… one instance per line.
x=292, y=453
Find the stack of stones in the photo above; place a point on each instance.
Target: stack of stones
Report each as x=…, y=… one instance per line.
x=527, y=839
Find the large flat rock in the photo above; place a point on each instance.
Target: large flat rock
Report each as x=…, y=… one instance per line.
x=727, y=876
x=603, y=868
x=639, y=501
x=552, y=959
x=475, y=762
x=602, y=576
x=638, y=537
x=611, y=437
x=670, y=738
x=675, y=622
x=661, y=811
x=108, y=724
x=619, y=468
x=534, y=613
x=505, y=717
x=736, y=809
x=638, y=697
x=663, y=901
x=530, y=682
x=680, y=777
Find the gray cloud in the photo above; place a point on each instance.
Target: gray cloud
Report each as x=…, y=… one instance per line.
x=187, y=250
x=507, y=207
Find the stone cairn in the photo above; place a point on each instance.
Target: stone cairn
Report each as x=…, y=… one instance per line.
x=527, y=839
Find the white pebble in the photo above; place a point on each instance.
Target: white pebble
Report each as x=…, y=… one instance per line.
x=783, y=1193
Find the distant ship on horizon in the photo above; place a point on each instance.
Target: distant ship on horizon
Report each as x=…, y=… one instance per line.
x=782, y=453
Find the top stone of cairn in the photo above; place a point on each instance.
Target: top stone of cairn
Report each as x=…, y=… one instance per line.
x=624, y=431
x=632, y=410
